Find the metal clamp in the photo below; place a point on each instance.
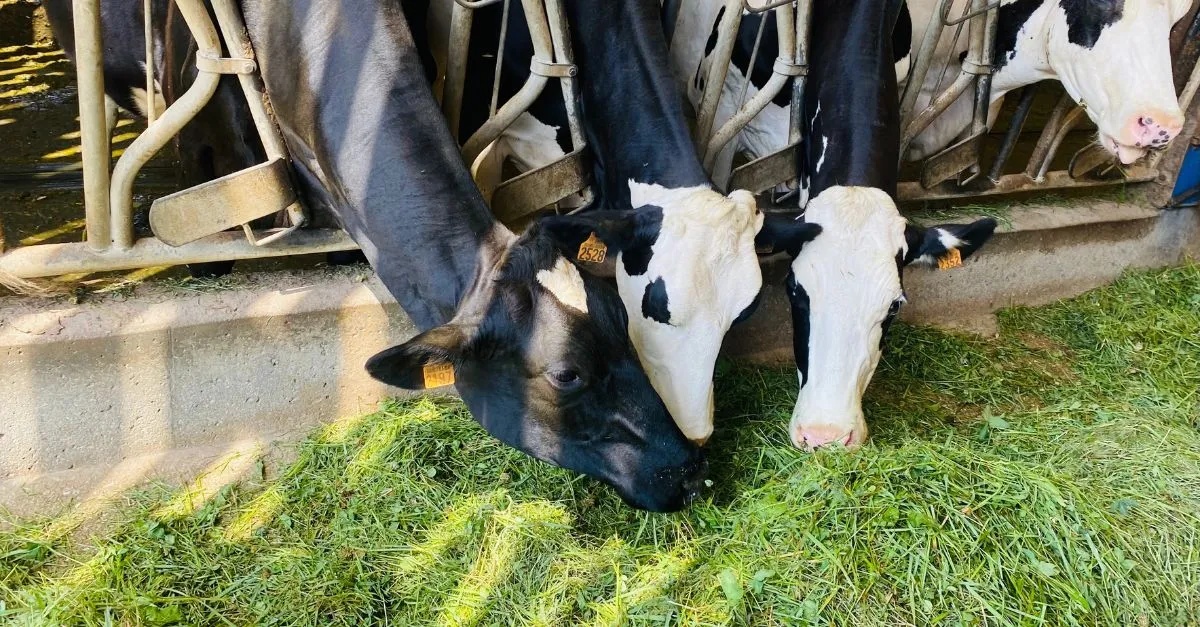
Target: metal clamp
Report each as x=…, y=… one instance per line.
x=225, y=65
x=787, y=68
x=552, y=70
x=977, y=69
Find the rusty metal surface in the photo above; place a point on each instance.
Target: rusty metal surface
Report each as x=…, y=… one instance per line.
x=223, y=203
x=534, y=190
x=952, y=161
x=766, y=172
x=1010, y=183
x=93, y=125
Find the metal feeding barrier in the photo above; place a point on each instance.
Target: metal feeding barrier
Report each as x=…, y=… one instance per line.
x=193, y=225
x=953, y=172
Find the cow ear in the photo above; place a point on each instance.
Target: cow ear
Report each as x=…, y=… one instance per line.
x=615, y=229
x=782, y=233
x=946, y=245
x=426, y=361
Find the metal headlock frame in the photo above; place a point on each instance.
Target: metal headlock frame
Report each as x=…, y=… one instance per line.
x=191, y=226
x=517, y=198
x=958, y=162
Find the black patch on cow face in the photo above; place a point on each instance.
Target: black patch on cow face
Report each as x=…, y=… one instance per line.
x=800, y=324
x=894, y=309
x=749, y=310
x=1008, y=26
x=636, y=253
x=1086, y=19
x=654, y=302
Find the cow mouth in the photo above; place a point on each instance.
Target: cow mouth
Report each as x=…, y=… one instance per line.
x=1125, y=153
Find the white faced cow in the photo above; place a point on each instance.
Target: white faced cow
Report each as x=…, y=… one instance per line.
x=846, y=286
x=686, y=267
x=1111, y=56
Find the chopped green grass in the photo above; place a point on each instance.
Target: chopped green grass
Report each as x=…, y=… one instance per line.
x=1047, y=476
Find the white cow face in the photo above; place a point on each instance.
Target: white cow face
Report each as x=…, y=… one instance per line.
x=686, y=271
x=845, y=289
x=1114, y=56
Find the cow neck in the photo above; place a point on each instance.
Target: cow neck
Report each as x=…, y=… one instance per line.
x=851, y=99
x=370, y=144
x=632, y=104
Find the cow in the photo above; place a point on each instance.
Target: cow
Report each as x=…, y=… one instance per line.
x=537, y=349
x=1112, y=56
x=687, y=268
x=846, y=286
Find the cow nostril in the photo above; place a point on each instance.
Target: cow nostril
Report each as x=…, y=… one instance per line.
x=1146, y=121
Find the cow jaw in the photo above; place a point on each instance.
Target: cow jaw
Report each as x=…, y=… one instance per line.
x=683, y=293
x=842, y=287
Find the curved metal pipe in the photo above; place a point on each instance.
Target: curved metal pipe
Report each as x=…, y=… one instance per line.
x=935, y=108
x=173, y=119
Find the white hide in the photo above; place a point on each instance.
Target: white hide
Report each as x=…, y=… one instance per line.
x=706, y=258
x=851, y=279
x=529, y=144
x=565, y=283
x=1125, y=75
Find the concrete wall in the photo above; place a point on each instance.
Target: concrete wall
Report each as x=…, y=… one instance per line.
x=105, y=393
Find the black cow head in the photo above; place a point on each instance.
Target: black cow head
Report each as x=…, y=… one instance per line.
x=540, y=353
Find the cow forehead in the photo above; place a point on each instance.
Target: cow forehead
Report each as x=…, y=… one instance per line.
x=855, y=255
x=564, y=282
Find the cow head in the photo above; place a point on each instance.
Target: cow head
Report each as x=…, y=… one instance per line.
x=1113, y=56
x=687, y=271
x=845, y=289
x=540, y=354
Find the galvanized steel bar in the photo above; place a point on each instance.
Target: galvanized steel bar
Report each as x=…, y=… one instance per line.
x=543, y=51
x=1015, y=124
x=795, y=117
x=174, y=118
x=461, y=18
x=58, y=259
x=93, y=138
x=718, y=68
x=560, y=33
x=1046, y=139
x=1011, y=183
x=1069, y=121
x=939, y=104
x=229, y=20
x=920, y=65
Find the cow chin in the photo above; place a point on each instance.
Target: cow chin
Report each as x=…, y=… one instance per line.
x=824, y=432
x=1125, y=153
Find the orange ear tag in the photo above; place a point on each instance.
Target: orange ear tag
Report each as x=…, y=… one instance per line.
x=950, y=259
x=437, y=375
x=592, y=250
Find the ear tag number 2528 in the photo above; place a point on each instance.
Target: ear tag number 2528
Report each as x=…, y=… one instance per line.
x=592, y=250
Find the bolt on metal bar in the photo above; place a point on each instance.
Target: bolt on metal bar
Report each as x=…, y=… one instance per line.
x=89, y=67
x=718, y=68
x=173, y=119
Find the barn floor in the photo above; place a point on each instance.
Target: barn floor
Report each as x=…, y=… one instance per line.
x=1050, y=475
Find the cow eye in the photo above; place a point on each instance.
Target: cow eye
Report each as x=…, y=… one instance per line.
x=895, y=307
x=564, y=378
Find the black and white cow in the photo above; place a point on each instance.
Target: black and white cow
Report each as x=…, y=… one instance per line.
x=846, y=286
x=538, y=350
x=1111, y=55
x=687, y=269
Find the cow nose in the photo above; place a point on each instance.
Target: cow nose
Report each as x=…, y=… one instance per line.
x=694, y=481
x=1153, y=129
x=816, y=436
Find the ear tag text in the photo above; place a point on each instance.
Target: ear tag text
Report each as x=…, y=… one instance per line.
x=950, y=259
x=437, y=375
x=592, y=250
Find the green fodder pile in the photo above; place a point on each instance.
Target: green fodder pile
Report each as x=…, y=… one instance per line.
x=1048, y=476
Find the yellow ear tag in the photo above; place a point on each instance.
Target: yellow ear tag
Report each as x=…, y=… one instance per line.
x=437, y=375
x=950, y=259
x=592, y=250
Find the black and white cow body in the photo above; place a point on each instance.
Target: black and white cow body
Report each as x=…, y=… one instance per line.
x=1111, y=55
x=539, y=350
x=845, y=287
x=687, y=268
